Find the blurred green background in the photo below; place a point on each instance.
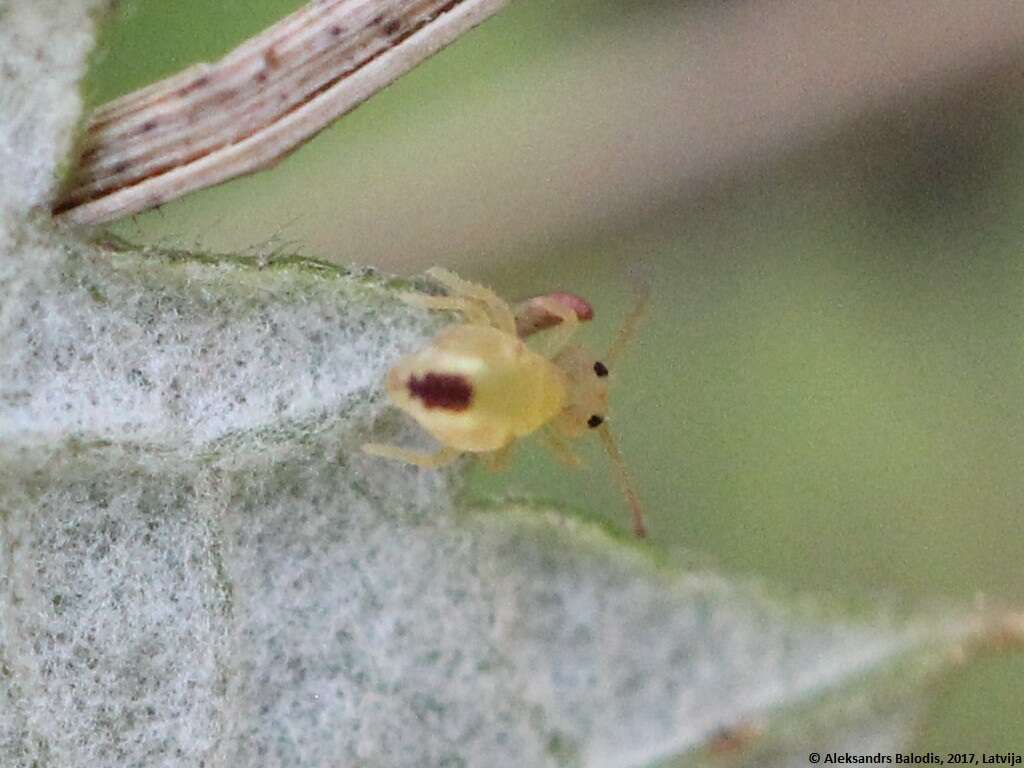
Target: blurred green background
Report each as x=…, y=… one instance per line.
x=826, y=394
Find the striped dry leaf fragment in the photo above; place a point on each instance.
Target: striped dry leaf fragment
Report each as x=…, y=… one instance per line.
x=241, y=114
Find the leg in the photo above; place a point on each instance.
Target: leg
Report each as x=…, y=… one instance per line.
x=561, y=449
x=630, y=324
x=499, y=310
x=561, y=334
x=441, y=458
x=624, y=478
x=473, y=312
x=497, y=461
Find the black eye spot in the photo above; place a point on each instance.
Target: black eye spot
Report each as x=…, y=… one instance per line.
x=600, y=369
x=595, y=421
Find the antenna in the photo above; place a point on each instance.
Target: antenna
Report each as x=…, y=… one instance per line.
x=631, y=322
x=624, y=478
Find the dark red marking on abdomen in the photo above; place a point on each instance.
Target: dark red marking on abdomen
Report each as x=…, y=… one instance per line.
x=442, y=390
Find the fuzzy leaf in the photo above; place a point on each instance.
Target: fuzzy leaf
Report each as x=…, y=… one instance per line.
x=201, y=565
x=44, y=45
